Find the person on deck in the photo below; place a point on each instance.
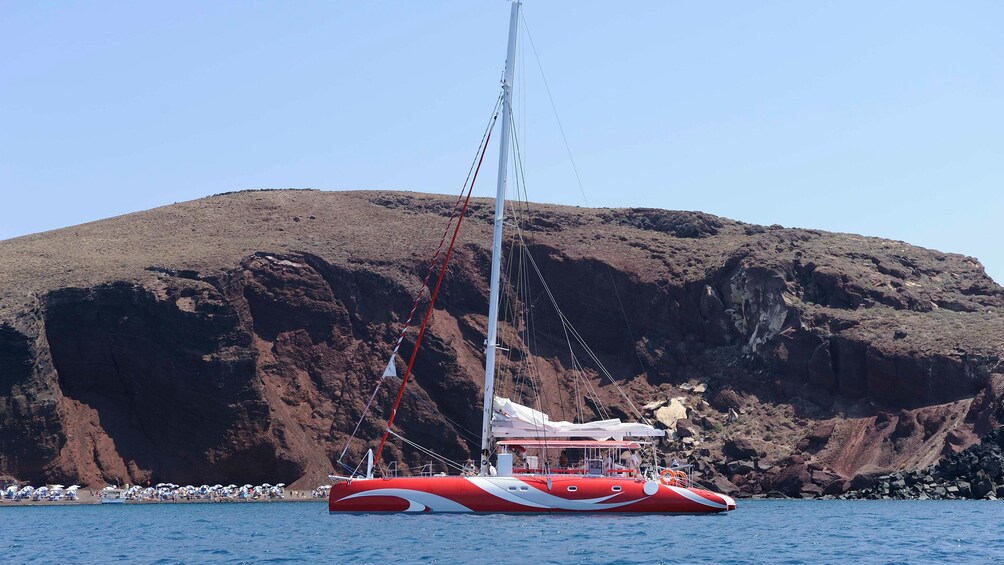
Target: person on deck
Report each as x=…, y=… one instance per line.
x=563, y=460
x=469, y=469
x=634, y=463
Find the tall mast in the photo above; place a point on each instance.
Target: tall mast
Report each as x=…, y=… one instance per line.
x=493, y=300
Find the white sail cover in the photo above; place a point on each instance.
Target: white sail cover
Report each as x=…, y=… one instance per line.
x=510, y=419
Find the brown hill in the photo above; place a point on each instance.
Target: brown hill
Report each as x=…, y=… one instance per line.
x=237, y=338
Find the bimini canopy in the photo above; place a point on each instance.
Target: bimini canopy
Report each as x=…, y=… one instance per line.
x=510, y=419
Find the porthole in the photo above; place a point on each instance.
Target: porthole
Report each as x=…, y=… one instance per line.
x=524, y=488
x=573, y=489
x=512, y=488
x=615, y=488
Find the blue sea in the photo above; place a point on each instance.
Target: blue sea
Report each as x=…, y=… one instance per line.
x=761, y=531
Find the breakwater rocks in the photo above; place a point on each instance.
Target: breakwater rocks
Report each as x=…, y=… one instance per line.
x=976, y=473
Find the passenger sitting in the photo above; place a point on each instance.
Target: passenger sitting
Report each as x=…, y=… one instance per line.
x=563, y=460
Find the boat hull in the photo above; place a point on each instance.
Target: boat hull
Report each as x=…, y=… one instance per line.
x=530, y=494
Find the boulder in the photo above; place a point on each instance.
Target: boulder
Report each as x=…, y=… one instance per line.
x=685, y=429
x=836, y=487
x=740, y=467
x=699, y=388
x=992, y=465
x=654, y=405
x=965, y=489
x=817, y=438
x=740, y=448
x=793, y=479
x=670, y=414
x=724, y=486
x=982, y=487
x=727, y=400
x=862, y=481
x=811, y=491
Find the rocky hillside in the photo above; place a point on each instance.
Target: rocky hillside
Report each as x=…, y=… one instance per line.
x=237, y=338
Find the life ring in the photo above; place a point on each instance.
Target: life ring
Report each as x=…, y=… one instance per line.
x=672, y=477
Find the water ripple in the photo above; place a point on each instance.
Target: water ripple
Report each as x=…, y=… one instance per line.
x=796, y=532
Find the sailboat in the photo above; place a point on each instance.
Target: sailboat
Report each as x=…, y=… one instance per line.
x=599, y=469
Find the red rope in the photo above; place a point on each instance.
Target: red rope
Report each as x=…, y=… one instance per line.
x=428, y=310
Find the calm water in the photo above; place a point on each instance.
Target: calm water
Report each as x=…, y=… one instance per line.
x=760, y=531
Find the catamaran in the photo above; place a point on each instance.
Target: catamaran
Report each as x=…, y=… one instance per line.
x=528, y=462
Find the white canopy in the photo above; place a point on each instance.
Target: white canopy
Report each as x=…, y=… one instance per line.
x=510, y=419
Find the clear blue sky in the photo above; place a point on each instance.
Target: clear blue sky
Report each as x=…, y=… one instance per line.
x=880, y=118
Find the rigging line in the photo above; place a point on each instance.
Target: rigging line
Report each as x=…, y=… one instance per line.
x=428, y=451
x=555, y=109
x=583, y=344
x=512, y=260
x=514, y=289
x=510, y=334
x=566, y=326
x=592, y=355
x=520, y=181
x=420, y=290
x=446, y=230
x=627, y=323
x=578, y=179
x=362, y=417
x=522, y=200
x=454, y=425
x=432, y=303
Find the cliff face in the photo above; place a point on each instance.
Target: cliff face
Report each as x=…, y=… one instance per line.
x=238, y=337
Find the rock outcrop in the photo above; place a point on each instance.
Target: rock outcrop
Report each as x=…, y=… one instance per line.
x=238, y=338
x=976, y=473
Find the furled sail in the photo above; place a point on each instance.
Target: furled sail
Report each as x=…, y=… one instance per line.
x=510, y=419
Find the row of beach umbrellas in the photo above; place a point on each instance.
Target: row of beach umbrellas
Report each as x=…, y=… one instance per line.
x=171, y=491
x=50, y=493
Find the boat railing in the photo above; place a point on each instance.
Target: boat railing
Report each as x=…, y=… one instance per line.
x=390, y=471
x=676, y=475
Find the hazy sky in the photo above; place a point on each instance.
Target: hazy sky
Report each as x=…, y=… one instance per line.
x=880, y=118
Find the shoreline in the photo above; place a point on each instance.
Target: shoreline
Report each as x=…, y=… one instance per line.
x=85, y=499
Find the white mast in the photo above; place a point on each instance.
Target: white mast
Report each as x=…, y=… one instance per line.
x=493, y=300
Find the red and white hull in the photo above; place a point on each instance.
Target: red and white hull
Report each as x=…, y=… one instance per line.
x=535, y=494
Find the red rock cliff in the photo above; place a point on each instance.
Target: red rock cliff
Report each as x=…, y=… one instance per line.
x=237, y=338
